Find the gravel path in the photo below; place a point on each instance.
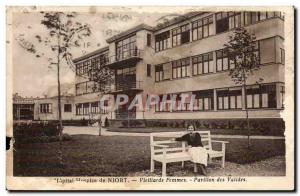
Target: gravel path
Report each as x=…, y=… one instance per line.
x=270, y=167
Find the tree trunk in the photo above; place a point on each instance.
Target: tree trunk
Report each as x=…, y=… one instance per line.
x=247, y=115
x=100, y=123
x=60, y=127
x=100, y=116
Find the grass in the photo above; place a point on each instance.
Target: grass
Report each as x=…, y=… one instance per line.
x=213, y=131
x=87, y=155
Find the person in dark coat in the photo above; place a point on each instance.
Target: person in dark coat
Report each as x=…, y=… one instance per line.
x=198, y=152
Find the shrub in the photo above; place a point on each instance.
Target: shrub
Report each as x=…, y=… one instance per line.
x=35, y=129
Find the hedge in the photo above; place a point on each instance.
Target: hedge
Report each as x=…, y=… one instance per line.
x=263, y=125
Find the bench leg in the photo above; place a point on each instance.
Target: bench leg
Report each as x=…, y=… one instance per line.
x=164, y=169
x=223, y=161
x=182, y=164
x=195, y=168
x=152, y=165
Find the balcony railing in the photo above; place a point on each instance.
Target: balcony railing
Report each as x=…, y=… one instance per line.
x=126, y=85
x=129, y=56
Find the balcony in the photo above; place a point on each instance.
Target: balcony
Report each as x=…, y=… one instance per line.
x=127, y=87
x=127, y=57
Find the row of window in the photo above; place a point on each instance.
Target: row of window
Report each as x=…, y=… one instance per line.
x=257, y=96
x=204, y=27
x=85, y=66
x=90, y=108
x=201, y=64
x=87, y=87
x=46, y=108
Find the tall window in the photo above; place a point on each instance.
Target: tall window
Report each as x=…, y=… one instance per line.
x=223, y=62
x=79, y=70
x=202, y=28
x=229, y=98
x=204, y=100
x=181, y=35
x=100, y=60
x=104, y=110
x=180, y=68
x=282, y=92
x=256, y=51
x=86, y=66
x=159, y=73
x=95, y=62
x=95, y=107
x=227, y=20
x=86, y=108
x=82, y=108
x=261, y=96
x=234, y=20
x=162, y=41
x=83, y=67
x=282, y=56
x=79, y=110
x=104, y=58
x=126, y=48
x=67, y=107
x=46, y=108
x=126, y=78
x=253, y=96
x=164, y=104
x=222, y=23
x=268, y=96
x=148, y=39
x=148, y=70
x=203, y=64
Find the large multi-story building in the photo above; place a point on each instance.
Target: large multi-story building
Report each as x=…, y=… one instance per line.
x=186, y=56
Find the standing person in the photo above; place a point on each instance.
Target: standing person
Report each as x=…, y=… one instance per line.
x=197, y=151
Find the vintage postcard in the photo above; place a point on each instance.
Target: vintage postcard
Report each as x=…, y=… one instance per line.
x=150, y=98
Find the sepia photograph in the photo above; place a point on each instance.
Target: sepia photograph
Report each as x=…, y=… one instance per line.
x=150, y=98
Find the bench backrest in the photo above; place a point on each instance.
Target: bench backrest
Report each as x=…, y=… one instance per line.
x=163, y=138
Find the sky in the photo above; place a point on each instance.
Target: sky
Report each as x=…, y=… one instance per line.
x=33, y=77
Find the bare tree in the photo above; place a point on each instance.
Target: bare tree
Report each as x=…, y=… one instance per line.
x=64, y=34
x=242, y=52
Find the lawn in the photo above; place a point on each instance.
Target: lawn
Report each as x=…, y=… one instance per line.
x=213, y=131
x=87, y=155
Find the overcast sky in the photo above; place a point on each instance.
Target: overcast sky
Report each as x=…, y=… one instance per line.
x=31, y=75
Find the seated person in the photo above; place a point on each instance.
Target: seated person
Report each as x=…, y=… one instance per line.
x=197, y=151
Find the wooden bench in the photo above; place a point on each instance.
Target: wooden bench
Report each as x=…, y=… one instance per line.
x=165, y=150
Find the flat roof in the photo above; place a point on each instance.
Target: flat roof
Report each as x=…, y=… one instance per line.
x=129, y=31
x=98, y=51
x=178, y=19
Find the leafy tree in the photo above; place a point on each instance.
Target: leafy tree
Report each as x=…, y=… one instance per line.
x=241, y=50
x=64, y=34
x=104, y=77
